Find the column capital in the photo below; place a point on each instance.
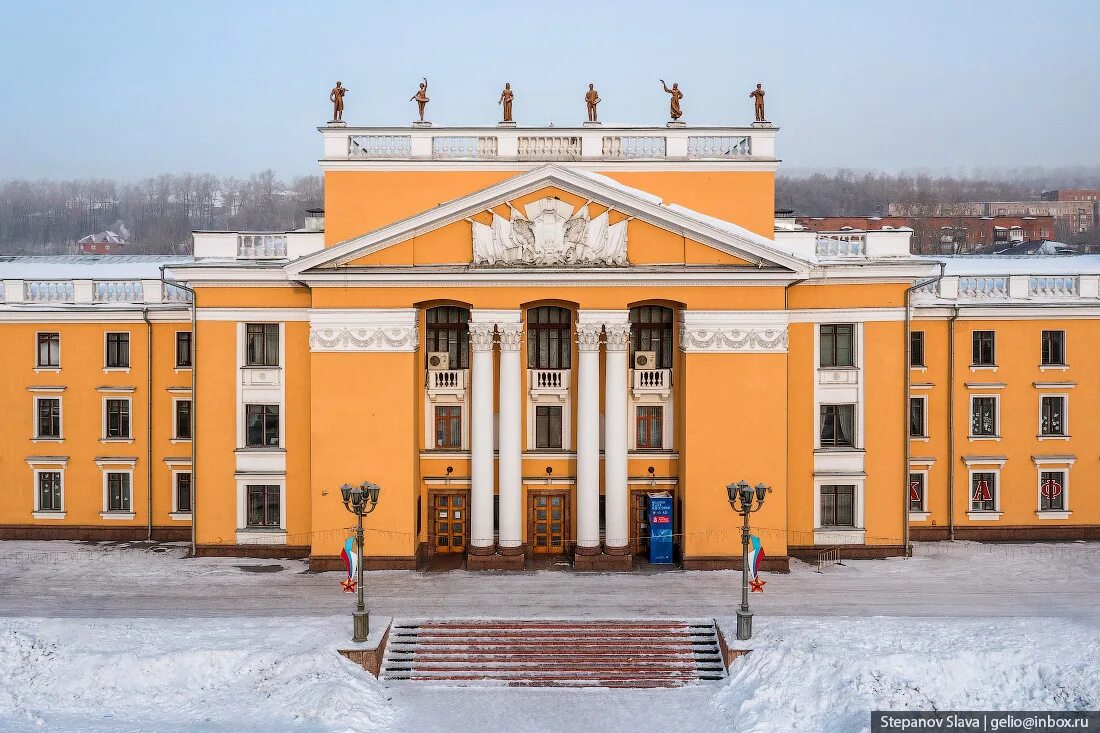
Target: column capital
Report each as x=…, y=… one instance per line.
x=510, y=336
x=588, y=336
x=481, y=336
x=618, y=336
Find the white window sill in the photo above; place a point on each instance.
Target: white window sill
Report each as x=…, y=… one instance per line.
x=47, y=440
x=259, y=449
x=983, y=367
x=1053, y=514
x=983, y=516
x=117, y=516
x=919, y=516
x=984, y=437
x=1052, y=437
x=48, y=515
x=180, y=516
x=1054, y=367
x=180, y=440
x=50, y=370
x=918, y=368
x=122, y=370
x=180, y=370
x=116, y=440
x=261, y=537
x=919, y=438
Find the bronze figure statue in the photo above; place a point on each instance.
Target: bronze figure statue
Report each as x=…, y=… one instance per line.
x=592, y=98
x=336, y=96
x=674, y=104
x=758, y=104
x=421, y=97
x=506, y=98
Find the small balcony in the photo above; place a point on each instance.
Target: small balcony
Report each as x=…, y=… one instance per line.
x=549, y=383
x=451, y=382
x=651, y=381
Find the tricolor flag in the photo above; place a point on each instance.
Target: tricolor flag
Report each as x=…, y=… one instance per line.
x=348, y=556
x=756, y=561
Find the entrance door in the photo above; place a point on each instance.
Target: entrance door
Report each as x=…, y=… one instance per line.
x=549, y=524
x=639, y=523
x=449, y=521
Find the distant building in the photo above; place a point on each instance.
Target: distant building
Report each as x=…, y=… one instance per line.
x=103, y=243
x=1071, y=217
x=945, y=234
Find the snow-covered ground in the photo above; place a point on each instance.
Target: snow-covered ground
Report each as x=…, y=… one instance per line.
x=223, y=649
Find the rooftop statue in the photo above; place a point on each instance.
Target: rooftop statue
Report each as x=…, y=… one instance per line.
x=336, y=96
x=506, y=98
x=592, y=98
x=758, y=104
x=674, y=104
x=421, y=97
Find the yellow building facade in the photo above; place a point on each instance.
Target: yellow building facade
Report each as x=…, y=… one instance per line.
x=521, y=334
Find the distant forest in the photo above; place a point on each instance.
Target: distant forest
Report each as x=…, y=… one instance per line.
x=157, y=215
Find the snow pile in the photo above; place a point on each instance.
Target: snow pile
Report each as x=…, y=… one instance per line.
x=828, y=674
x=184, y=675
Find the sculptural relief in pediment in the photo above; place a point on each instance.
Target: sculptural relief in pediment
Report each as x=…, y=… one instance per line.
x=549, y=232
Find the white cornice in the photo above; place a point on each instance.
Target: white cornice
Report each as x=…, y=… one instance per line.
x=748, y=164
x=1009, y=311
x=245, y=314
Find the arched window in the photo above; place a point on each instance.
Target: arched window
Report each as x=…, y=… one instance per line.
x=651, y=330
x=447, y=328
x=548, y=338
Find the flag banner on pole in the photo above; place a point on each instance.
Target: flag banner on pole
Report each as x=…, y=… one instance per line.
x=348, y=556
x=756, y=561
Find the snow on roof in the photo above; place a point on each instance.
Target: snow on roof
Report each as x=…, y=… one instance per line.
x=87, y=267
x=105, y=237
x=612, y=183
x=966, y=265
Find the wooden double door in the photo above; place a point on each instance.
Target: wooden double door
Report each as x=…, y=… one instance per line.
x=548, y=522
x=450, y=521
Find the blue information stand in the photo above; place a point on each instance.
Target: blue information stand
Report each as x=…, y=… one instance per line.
x=660, y=528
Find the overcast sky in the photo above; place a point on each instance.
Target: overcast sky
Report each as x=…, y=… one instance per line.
x=129, y=89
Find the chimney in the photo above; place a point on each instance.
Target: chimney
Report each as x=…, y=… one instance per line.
x=315, y=220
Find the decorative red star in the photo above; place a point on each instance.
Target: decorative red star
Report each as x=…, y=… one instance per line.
x=348, y=585
x=757, y=585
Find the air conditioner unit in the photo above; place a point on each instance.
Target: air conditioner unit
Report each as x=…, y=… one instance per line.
x=645, y=359
x=439, y=361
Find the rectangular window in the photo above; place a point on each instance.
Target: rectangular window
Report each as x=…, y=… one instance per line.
x=183, y=419
x=547, y=426
x=183, y=349
x=916, y=492
x=261, y=426
x=984, y=352
x=983, y=492
x=262, y=344
x=838, y=505
x=983, y=417
x=838, y=345
x=1052, y=491
x=49, y=491
x=1052, y=415
x=118, y=492
x=48, y=417
x=118, y=351
x=650, y=426
x=118, y=418
x=263, y=507
x=916, y=349
x=49, y=350
x=1054, y=348
x=183, y=492
x=837, y=426
x=917, y=423
x=448, y=426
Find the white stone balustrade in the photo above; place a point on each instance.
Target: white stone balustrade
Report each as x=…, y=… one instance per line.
x=841, y=244
x=91, y=292
x=547, y=147
x=118, y=291
x=48, y=291
x=634, y=146
x=379, y=146
x=449, y=381
x=261, y=246
x=548, y=381
x=1013, y=288
x=1053, y=286
x=984, y=286
x=719, y=146
x=464, y=146
x=652, y=381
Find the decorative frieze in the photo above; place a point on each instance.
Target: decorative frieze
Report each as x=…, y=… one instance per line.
x=732, y=332
x=384, y=329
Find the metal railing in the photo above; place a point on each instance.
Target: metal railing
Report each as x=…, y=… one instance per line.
x=827, y=558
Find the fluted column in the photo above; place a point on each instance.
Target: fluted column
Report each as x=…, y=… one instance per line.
x=616, y=430
x=588, y=438
x=481, y=438
x=510, y=534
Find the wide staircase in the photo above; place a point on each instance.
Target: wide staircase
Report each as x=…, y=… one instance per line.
x=554, y=653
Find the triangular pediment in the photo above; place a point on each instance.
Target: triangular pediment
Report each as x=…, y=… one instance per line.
x=555, y=217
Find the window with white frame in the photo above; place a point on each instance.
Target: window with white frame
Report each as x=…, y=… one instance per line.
x=263, y=506
x=984, y=348
x=838, y=505
x=838, y=345
x=262, y=344
x=1054, y=348
x=916, y=348
x=983, y=491
x=118, y=351
x=49, y=351
x=918, y=417
x=649, y=427
x=983, y=416
x=117, y=418
x=1052, y=491
x=1052, y=415
x=448, y=426
x=182, y=492
x=47, y=417
x=182, y=419
x=183, y=349
x=118, y=491
x=48, y=496
x=548, y=426
x=261, y=426
x=917, y=492
x=838, y=426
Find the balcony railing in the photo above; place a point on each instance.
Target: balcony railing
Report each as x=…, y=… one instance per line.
x=261, y=246
x=118, y=291
x=549, y=147
x=1052, y=286
x=467, y=146
x=447, y=381
x=380, y=146
x=548, y=382
x=719, y=146
x=652, y=380
x=634, y=146
x=835, y=244
x=48, y=291
x=176, y=294
x=983, y=287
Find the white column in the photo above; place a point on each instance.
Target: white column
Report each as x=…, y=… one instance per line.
x=511, y=429
x=616, y=430
x=588, y=437
x=481, y=435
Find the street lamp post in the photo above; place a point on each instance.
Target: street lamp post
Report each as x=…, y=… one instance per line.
x=741, y=496
x=360, y=500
